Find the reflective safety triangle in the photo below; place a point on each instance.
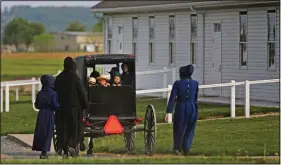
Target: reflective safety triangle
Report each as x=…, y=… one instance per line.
x=113, y=125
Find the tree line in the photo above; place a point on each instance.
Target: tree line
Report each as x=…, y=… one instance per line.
x=21, y=31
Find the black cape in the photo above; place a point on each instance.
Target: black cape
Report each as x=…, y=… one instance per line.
x=73, y=100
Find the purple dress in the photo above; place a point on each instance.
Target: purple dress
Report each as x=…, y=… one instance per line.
x=47, y=102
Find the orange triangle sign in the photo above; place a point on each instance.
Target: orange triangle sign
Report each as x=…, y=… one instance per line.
x=113, y=126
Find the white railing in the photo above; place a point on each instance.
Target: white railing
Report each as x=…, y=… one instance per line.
x=233, y=84
x=7, y=84
x=167, y=90
x=33, y=82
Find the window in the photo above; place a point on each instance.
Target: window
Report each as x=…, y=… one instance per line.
x=151, y=39
x=171, y=52
x=151, y=52
x=134, y=46
x=109, y=46
x=66, y=48
x=217, y=27
x=151, y=27
x=135, y=35
x=271, y=37
x=243, y=39
x=135, y=28
x=193, y=38
x=109, y=35
x=172, y=27
x=193, y=52
x=171, y=38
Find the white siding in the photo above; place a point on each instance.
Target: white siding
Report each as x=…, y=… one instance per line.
x=257, y=50
x=257, y=53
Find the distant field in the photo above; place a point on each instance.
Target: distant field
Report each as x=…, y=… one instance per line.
x=27, y=65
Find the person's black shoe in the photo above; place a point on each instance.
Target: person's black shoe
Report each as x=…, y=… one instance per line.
x=89, y=152
x=43, y=155
x=185, y=152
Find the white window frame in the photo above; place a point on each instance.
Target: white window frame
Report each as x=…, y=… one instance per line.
x=193, y=41
x=272, y=67
x=172, y=41
x=244, y=12
x=135, y=38
x=151, y=45
x=109, y=40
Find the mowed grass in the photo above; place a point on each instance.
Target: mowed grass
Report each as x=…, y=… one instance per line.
x=28, y=65
x=12, y=69
x=229, y=137
x=202, y=160
x=22, y=117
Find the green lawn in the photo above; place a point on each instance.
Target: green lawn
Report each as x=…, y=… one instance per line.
x=143, y=160
x=28, y=68
x=231, y=137
x=21, y=118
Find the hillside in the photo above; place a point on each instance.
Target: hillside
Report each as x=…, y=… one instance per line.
x=54, y=18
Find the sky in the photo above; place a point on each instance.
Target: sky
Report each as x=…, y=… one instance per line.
x=48, y=3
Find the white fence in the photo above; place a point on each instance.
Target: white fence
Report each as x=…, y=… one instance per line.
x=33, y=82
x=232, y=84
x=165, y=91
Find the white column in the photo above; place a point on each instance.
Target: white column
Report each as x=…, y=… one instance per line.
x=2, y=99
x=174, y=73
x=17, y=94
x=39, y=85
x=247, y=99
x=232, y=99
x=169, y=93
x=165, y=83
x=33, y=91
x=7, y=98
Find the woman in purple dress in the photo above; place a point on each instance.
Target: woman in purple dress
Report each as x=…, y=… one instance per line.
x=47, y=102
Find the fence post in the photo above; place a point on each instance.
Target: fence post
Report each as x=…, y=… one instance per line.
x=7, y=98
x=169, y=93
x=174, y=74
x=232, y=99
x=2, y=99
x=165, y=83
x=17, y=94
x=33, y=90
x=39, y=85
x=170, y=115
x=247, y=99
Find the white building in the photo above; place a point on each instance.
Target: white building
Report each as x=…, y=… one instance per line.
x=225, y=40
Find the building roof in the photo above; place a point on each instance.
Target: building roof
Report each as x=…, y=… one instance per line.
x=78, y=33
x=110, y=6
x=113, y=4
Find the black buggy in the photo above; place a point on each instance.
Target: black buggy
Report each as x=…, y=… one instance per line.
x=113, y=109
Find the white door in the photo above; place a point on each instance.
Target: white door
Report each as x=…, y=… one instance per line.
x=217, y=67
x=120, y=41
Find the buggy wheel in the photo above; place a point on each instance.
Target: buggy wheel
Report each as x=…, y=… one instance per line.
x=149, y=129
x=129, y=140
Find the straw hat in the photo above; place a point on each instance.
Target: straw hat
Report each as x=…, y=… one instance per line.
x=103, y=77
x=92, y=80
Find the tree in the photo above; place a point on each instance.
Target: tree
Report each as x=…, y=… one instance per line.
x=15, y=32
x=34, y=29
x=44, y=42
x=98, y=27
x=21, y=31
x=76, y=26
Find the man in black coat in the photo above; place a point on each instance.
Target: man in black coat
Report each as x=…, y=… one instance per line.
x=72, y=99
